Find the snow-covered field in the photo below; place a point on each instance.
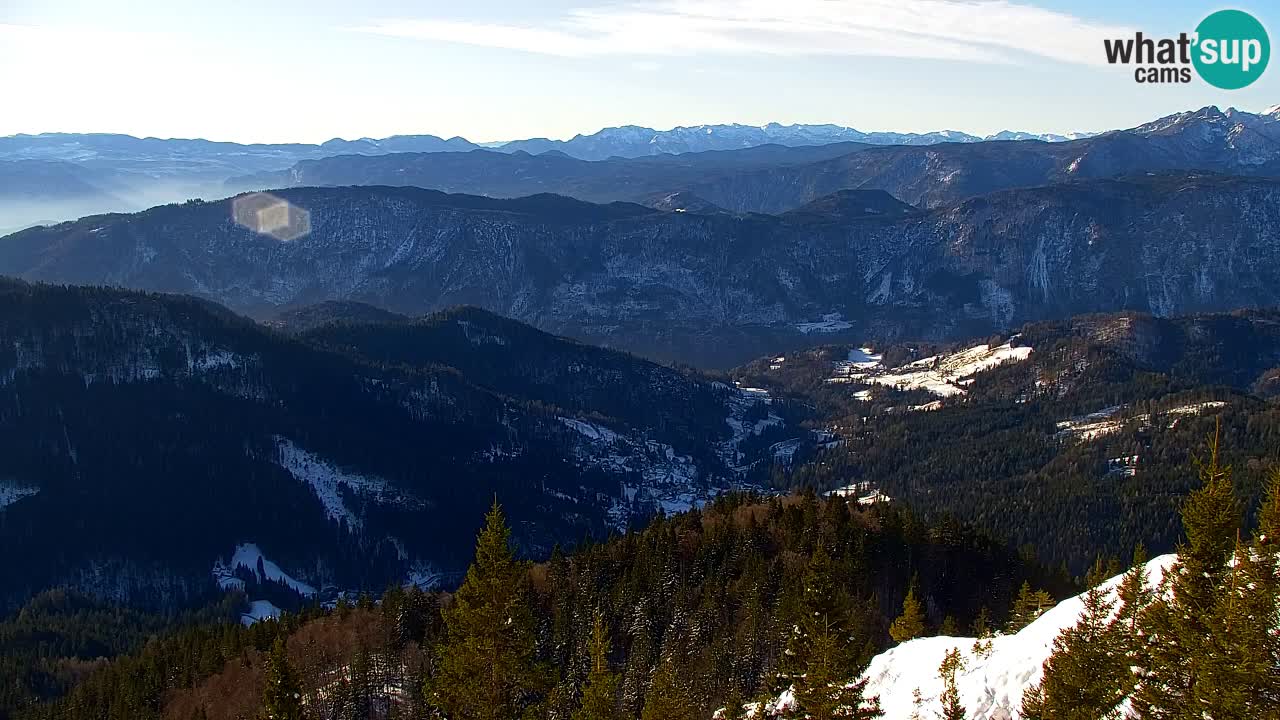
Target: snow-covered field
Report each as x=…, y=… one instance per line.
x=942, y=375
x=990, y=685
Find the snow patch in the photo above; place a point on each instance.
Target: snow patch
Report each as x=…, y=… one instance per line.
x=942, y=375
x=991, y=684
x=666, y=480
x=259, y=610
x=741, y=402
x=11, y=493
x=248, y=556
x=1083, y=428
x=479, y=336
x=830, y=323
x=863, y=492
x=326, y=478
x=591, y=431
x=214, y=360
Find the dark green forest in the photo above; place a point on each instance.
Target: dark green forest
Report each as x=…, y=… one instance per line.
x=712, y=597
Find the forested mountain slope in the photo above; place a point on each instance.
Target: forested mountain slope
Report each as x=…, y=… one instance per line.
x=1071, y=435
x=712, y=290
x=696, y=608
x=148, y=438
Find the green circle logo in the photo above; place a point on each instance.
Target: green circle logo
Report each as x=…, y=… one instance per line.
x=1232, y=49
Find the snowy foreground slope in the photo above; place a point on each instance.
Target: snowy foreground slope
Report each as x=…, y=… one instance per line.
x=990, y=687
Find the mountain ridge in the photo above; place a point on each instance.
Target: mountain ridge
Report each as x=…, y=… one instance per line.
x=714, y=289
x=327, y=451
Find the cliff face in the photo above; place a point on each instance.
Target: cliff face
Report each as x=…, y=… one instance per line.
x=709, y=289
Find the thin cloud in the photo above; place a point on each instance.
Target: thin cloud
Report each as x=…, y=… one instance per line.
x=992, y=31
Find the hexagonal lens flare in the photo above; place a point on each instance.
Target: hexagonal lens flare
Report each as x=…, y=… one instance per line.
x=267, y=214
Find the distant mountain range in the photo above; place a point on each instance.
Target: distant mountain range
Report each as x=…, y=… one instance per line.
x=58, y=176
x=633, y=141
x=774, y=179
x=626, y=141
x=61, y=176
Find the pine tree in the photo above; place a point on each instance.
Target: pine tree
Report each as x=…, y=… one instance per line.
x=1178, y=628
x=668, y=697
x=827, y=653
x=487, y=665
x=952, y=663
x=950, y=627
x=1243, y=635
x=1033, y=703
x=362, y=685
x=282, y=698
x=1262, y=590
x=917, y=702
x=1028, y=606
x=1134, y=597
x=600, y=694
x=910, y=624
x=734, y=707
x=1087, y=674
x=982, y=624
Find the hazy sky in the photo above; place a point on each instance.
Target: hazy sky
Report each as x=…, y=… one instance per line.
x=309, y=70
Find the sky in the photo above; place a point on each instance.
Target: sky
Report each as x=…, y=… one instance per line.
x=487, y=70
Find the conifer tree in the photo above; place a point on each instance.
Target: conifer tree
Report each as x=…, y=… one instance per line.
x=982, y=624
x=1243, y=625
x=1087, y=675
x=1262, y=590
x=282, y=698
x=1033, y=703
x=952, y=663
x=1178, y=628
x=950, y=626
x=600, y=694
x=1134, y=596
x=1027, y=607
x=910, y=624
x=668, y=697
x=362, y=685
x=487, y=666
x=826, y=654
x=917, y=702
x=982, y=633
